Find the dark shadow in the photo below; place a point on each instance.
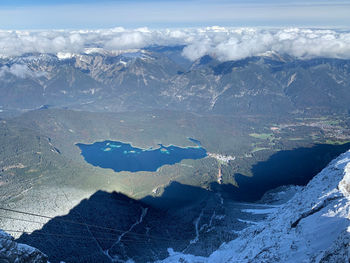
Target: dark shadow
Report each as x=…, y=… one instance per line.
x=162, y=49
x=306, y=64
x=227, y=67
x=293, y=167
x=177, y=195
x=75, y=237
x=148, y=227
x=205, y=60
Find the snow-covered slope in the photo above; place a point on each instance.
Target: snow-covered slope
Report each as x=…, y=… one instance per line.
x=314, y=226
x=11, y=251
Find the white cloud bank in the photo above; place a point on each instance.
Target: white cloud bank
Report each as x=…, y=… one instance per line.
x=223, y=43
x=21, y=71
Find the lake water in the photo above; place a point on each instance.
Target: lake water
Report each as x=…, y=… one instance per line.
x=121, y=156
x=289, y=167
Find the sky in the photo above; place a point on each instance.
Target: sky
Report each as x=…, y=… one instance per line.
x=225, y=29
x=158, y=14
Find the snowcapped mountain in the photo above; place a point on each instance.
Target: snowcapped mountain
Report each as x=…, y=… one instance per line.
x=251, y=94
x=313, y=226
x=161, y=78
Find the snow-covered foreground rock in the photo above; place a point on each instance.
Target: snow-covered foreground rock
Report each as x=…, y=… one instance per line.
x=314, y=226
x=11, y=251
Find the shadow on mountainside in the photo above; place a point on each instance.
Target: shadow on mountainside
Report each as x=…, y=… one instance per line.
x=113, y=225
x=142, y=230
x=291, y=167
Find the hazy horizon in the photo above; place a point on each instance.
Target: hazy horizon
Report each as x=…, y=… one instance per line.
x=88, y=14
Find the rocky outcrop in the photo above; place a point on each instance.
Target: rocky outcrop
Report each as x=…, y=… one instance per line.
x=11, y=251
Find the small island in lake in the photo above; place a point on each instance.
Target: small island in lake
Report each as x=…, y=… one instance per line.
x=121, y=156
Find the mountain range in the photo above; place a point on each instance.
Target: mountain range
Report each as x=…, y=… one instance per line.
x=160, y=78
x=269, y=123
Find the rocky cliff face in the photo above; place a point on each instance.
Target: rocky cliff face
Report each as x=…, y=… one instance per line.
x=11, y=251
x=313, y=226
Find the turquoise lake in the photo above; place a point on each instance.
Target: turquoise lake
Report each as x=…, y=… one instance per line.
x=121, y=156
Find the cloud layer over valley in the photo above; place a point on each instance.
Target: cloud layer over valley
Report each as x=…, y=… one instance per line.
x=222, y=43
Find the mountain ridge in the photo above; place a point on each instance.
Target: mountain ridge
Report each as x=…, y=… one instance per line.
x=313, y=226
x=157, y=79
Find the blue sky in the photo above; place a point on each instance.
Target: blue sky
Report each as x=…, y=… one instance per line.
x=73, y=14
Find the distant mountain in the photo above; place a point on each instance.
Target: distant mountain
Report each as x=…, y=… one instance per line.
x=160, y=78
x=269, y=114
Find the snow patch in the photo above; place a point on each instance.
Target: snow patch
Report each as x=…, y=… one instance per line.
x=63, y=55
x=292, y=79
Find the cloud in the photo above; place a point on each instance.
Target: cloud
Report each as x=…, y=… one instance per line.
x=221, y=42
x=241, y=43
x=128, y=40
x=20, y=71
